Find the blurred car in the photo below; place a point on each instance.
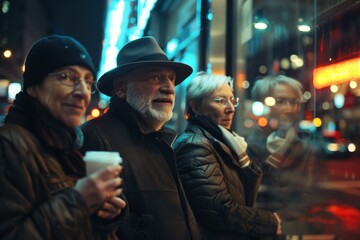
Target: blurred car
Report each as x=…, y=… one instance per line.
x=333, y=144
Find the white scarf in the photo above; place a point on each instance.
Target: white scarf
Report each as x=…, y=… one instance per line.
x=237, y=144
x=277, y=146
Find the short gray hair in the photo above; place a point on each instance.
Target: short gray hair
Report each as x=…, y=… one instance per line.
x=202, y=85
x=264, y=87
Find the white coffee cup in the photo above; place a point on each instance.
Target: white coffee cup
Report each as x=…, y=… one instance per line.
x=96, y=160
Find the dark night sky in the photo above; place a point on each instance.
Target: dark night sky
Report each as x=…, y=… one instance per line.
x=82, y=19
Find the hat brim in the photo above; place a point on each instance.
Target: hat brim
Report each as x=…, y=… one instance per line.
x=106, y=81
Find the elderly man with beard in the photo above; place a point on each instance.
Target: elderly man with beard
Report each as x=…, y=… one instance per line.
x=142, y=99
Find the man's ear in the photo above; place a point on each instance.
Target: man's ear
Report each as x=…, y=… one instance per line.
x=120, y=87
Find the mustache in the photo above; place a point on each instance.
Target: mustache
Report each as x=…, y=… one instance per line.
x=168, y=97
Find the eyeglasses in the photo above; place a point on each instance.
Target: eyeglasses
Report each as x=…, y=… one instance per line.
x=285, y=101
x=72, y=80
x=223, y=101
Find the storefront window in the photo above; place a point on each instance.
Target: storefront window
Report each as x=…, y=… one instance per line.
x=302, y=132
x=315, y=43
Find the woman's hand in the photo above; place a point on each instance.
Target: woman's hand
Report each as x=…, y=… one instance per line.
x=100, y=187
x=112, y=208
x=278, y=230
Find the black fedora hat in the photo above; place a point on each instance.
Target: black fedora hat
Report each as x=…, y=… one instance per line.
x=138, y=53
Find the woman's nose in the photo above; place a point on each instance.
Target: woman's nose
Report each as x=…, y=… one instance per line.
x=229, y=107
x=82, y=88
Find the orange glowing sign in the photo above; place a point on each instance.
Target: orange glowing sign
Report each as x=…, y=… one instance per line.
x=337, y=73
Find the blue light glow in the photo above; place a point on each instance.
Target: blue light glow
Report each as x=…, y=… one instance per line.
x=144, y=10
x=339, y=100
x=112, y=42
x=172, y=45
x=14, y=88
x=258, y=108
x=112, y=33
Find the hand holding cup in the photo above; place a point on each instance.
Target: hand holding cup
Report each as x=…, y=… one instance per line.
x=103, y=179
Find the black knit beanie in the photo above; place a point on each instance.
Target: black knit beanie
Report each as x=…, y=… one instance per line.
x=51, y=53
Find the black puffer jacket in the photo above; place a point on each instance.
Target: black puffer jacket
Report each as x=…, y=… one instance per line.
x=218, y=189
x=39, y=165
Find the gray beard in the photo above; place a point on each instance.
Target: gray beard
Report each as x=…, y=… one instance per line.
x=143, y=105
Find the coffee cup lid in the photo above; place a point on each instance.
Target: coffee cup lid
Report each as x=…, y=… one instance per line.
x=102, y=156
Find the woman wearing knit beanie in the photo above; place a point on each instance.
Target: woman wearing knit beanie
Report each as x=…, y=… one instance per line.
x=219, y=179
x=45, y=193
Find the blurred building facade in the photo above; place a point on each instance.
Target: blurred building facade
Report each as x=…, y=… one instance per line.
x=214, y=36
x=250, y=39
x=24, y=21
x=220, y=37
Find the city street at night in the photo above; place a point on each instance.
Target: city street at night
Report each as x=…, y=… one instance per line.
x=247, y=111
x=340, y=208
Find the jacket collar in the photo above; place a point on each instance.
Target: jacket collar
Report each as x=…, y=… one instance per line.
x=209, y=125
x=218, y=144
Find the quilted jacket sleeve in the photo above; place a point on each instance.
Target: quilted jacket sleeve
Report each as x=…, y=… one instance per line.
x=208, y=193
x=28, y=208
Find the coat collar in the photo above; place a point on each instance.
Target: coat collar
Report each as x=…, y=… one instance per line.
x=220, y=147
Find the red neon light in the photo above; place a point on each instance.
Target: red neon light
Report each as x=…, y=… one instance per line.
x=337, y=73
